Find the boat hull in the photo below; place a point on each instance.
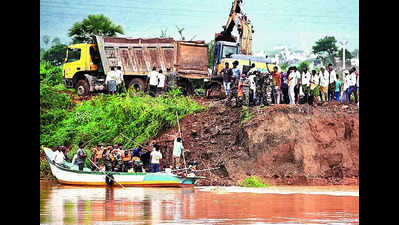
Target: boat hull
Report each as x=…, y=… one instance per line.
x=96, y=178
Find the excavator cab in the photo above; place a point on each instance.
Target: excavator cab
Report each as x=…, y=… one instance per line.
x=222, y=50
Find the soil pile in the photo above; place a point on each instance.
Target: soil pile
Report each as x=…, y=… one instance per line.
x=282, y=144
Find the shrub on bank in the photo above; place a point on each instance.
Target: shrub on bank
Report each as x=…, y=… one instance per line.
x=253, y=181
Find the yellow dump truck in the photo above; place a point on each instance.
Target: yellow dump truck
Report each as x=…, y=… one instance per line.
x=87, y=65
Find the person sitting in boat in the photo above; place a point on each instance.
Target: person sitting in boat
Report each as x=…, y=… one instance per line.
x=108, y=158
x=126, y=158
x=59, y=156
x=137, y=164
x=81, y=159
x=117, y=163
x=155, y=158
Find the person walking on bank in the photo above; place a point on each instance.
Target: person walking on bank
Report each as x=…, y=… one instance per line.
x=177, y=151
x=153, y=81
x=155, y=156
x=81, y=156
x=331, y=82
x=324, y=84
x=111, y=79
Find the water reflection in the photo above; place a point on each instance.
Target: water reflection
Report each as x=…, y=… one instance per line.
x=61, y=204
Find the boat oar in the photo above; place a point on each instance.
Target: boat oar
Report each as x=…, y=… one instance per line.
x=105, y=173
x=182, y=152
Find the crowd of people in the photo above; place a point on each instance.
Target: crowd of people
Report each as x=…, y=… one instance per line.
x=296, y=86
x=117, y=158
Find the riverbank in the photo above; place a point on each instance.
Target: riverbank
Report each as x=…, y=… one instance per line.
x=280, y=144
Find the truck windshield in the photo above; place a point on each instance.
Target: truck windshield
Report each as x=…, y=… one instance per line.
x=228, y=50
x=73, y=55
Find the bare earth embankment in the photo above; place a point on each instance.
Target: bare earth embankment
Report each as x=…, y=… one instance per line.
x=282, y=144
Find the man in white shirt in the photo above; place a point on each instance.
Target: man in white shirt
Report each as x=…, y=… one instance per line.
x=352, y=82
x=111, y=80
x=119, y=81
x=324, y=76
x=153, y=81
x=314, y=87
x=305, y=81
x=161, y=83
x=332, y=82
x=252, y=86
x=345, y=87
x=156, y=156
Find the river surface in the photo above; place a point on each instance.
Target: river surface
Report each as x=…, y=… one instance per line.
x=62, y=204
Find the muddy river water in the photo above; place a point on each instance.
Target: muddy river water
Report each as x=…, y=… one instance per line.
x=61, y=204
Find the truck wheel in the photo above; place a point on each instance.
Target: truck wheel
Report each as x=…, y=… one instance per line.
x=137, y=84
x=82, y=88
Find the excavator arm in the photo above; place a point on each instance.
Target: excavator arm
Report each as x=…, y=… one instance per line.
x=237, y=19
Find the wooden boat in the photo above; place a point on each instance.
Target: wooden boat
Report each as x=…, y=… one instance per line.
x=69, y=174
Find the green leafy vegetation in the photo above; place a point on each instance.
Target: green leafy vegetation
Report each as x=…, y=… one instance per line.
x=245, y=114
x=253, y=181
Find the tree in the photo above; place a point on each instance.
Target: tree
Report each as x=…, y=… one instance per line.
x=348, y=54
x=326, y=49
x=56, y=41
x=211, y=53
x=81, y=32
x=180, y=30
x=163, y=33
x=55, y=55
x=46, y=40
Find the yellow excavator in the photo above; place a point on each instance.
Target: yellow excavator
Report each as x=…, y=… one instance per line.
x=227, y=49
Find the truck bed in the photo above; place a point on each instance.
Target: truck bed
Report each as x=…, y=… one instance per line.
x=137, y=56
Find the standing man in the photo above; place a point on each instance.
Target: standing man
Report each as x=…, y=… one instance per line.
x=277, y=80
x=357, y=86
x=111, y=80
x=284, y=87
x=252, y=87
x=291, y=85
x=120, y=81
x=245, y=89
x=161, y=82
x=314, y=88
x=338, y=88
x=98, y=155
x=170, y=80
x=324, y=84
x=153, y=81
x=345, y=85
x=155, y=156
x=236, y=71
x=332, y=82
x=177, y=151
x=305, y=81
x=81, y=156
x=107, y=158
x=297, y=85
x=227, y=74
x=352, y=83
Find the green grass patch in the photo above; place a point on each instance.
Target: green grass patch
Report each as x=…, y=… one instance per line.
x=245, y=114
x=253, y=181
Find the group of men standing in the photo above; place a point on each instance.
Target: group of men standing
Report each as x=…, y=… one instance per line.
x=274, y=87
x=114, y=79
x=159, y=82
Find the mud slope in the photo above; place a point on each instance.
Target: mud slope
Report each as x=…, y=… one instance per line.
x=282, y=144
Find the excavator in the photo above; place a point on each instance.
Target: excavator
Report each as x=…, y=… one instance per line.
x=227, y=49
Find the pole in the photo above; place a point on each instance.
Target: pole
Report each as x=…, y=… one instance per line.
x=343, y=56
x=105, y=173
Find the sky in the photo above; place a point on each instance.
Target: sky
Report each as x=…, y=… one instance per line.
x=291, y=23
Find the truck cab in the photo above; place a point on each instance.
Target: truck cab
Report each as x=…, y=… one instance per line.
x=223, y=50
x=82, y=65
